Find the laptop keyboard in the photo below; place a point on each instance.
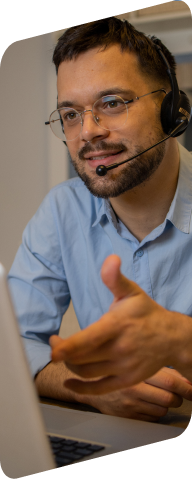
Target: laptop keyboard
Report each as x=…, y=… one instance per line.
x=67, y=451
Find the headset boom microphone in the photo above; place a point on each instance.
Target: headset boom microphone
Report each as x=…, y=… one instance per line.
x=102, y=170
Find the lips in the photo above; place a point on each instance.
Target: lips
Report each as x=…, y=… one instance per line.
x=101, y=154
x=105, y=161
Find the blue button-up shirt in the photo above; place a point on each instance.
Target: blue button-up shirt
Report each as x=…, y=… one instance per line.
x=64, y=246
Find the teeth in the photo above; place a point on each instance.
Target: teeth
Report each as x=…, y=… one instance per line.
x=99, y=157
x=102, y=157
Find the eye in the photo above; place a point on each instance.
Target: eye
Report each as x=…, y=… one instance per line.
x=112, y=104
x=115, y=103
x=70, y=115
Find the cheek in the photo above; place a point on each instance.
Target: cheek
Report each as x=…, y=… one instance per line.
x=137, y=126
x=73, y=149
x=138, y=117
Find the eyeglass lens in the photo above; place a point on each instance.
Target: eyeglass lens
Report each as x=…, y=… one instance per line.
x=109, y=112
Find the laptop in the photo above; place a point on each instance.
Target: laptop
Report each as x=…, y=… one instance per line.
x=37, y=437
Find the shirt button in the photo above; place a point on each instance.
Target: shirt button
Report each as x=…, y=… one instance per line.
x=140, y=253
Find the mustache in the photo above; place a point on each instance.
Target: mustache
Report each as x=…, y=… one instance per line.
x=101, y=147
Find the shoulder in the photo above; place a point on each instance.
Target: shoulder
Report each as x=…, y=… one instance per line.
x=74, y=184
x=73, y=197
x=73, y=189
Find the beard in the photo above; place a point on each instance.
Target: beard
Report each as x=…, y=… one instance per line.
x=134, y=173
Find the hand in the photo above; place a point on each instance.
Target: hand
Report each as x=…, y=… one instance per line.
x=127, y=345
x=147, y=401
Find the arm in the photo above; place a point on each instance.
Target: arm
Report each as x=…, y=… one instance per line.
x=39, y=286
x=130, y=343
x=146, y=401
x=50, y=383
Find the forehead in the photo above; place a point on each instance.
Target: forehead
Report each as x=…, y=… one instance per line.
x=96, y=70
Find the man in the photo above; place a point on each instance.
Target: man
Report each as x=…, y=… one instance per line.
x=111, y=83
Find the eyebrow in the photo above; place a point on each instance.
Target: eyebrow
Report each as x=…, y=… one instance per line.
x=100, y=94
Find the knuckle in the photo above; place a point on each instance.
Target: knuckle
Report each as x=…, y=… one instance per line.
x=167, y=399
x=171, y=382
x=119, y=350
x=122, y=348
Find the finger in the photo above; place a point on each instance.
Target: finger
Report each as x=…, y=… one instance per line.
x=110, y=360
x=129, y=368
x=93, y=370
x=144, y=411
x=151, y=409
x=85, y=343
x=132, y=376
x=100, y=386
x=105, y=384
x=165, y=398
x=176, y=373
x=88, y=343
x=157, y=396
x=103, y=365
x=171, y=382
x=145, y=399
x=54, y=341
x=112, y=277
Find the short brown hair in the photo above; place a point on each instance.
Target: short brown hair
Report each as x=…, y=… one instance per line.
x=111, y=31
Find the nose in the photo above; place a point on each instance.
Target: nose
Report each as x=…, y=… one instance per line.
x=90, y=129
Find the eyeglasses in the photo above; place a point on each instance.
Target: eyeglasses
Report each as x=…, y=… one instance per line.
x=109, y=112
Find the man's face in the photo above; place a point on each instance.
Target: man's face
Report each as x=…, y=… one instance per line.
x=81, y=82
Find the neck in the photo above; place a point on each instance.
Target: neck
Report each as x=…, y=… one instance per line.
x=145, y=207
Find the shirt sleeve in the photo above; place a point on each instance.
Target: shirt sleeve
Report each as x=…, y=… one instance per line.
x=38, y=285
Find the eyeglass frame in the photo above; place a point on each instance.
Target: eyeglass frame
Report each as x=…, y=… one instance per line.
x=126, y=102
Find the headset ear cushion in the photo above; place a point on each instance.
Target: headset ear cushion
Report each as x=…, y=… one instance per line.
x=166, y=119
x=183, y=103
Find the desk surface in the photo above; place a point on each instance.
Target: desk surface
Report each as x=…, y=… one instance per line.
x=178, y=417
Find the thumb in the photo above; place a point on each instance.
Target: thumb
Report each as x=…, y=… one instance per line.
x=112, y=277
x=54, y=341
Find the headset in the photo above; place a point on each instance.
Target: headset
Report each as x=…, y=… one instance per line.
x=175, y=108
x=175, y=111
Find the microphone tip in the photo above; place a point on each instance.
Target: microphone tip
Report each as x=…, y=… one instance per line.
x=101, y=170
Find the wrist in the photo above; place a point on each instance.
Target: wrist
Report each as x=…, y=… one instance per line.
x=180, y=342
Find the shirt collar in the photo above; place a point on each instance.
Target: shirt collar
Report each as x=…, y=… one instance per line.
x=180, y=210
x=104, y=209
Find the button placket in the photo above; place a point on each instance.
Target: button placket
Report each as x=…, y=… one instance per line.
x=141, y=270
x=139, y=253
